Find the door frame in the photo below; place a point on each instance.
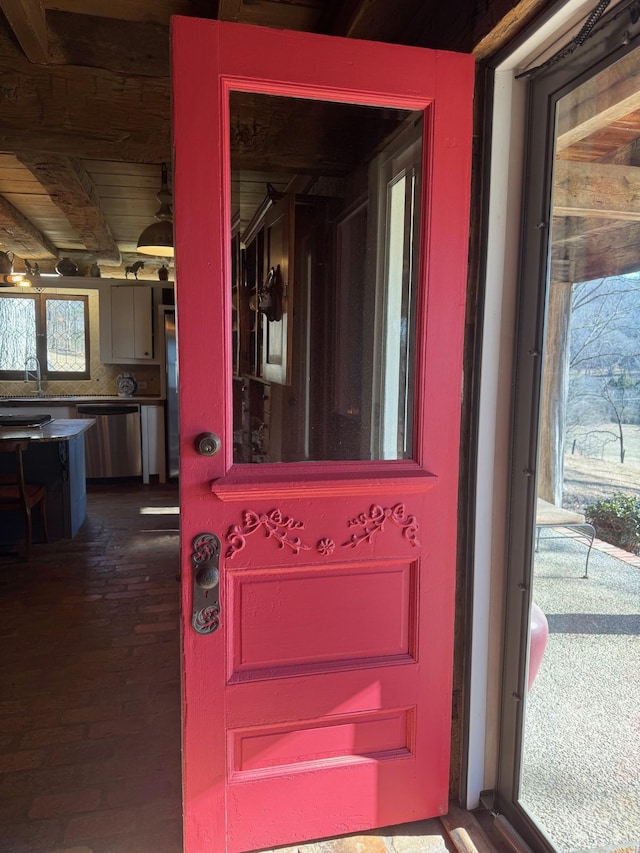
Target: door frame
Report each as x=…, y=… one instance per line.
x=514, y=282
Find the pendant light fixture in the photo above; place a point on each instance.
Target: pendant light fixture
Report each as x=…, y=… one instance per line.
x=9, y=278
x=15, y=279
x=157, y=238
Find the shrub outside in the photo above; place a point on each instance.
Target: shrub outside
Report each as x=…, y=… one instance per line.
x=617, y=520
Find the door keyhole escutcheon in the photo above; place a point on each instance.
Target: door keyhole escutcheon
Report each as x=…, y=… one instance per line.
x=205, y=558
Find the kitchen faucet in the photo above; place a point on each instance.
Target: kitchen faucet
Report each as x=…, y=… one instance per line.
x=37, y=375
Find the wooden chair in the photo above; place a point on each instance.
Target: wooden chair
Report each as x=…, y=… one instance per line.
x=15, y=494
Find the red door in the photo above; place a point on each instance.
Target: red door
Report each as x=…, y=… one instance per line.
x=319, y=542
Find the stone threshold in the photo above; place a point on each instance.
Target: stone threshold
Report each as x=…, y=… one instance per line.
x=456, y=832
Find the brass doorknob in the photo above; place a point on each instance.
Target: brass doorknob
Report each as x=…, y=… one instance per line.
x=208, y=576
x=207, y=444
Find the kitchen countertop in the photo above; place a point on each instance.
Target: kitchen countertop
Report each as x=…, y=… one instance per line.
x=59, y=429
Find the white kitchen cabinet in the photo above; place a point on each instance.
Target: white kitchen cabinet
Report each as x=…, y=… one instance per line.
x=154, y=460
x=131, y=322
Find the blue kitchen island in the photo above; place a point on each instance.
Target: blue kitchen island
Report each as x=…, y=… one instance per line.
x=56, y=458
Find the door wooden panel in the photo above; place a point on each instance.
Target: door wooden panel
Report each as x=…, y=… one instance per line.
x=296, y=617
x=321, y=703
x=373, y=735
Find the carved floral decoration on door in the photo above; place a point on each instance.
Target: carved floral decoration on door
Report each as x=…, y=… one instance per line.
x=282, y=528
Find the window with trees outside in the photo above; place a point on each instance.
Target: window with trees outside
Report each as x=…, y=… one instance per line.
x=52, y=328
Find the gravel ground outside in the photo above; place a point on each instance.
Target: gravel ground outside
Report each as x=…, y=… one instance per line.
x=581, y=760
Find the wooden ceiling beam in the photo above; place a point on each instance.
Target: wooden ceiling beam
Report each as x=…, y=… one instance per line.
x=303, y=16
x=279, y=134
x=599, y=121
x=498, y=22
x=626, y=155
x=27, y=20
x=83, y=112
x=230, y=10
x=375, y=20
x=596, y=190
x=113, y=45
x=597, y=265
x=603, y=100
x=572, y=229
x=350, y=17
x=599, y=92
x=72, y=189
x=20, y=236
x=144, y=11
x=433, y=25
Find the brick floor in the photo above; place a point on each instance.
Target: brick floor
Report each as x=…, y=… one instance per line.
x=90, y=690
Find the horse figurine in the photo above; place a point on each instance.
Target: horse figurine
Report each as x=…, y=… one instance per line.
x=134, y=269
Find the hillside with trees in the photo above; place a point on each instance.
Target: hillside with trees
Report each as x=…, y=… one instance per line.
x=603, y=397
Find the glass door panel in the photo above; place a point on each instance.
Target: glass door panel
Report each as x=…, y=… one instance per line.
x=325, y=198
x=580, y=774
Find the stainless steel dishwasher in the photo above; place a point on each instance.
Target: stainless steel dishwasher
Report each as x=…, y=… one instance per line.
x=113, y=447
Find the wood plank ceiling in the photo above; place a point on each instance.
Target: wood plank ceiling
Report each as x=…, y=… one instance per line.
x=596, y=198
x=85, y=118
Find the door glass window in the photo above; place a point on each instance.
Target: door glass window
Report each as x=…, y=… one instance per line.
x=580, y=777
x=325, y=221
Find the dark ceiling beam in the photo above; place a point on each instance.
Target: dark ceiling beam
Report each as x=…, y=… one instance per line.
x=498, y=22
x=266, y=13
x=143, y=11
x=463, y=26
x=27, y=20
x=137, y=49
x=20, y=236
x=230, y=10
x=87, y=113
x=73, y=191
x=375, y=20
x=281, y=135
x=349, y=17
x=431, y=23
